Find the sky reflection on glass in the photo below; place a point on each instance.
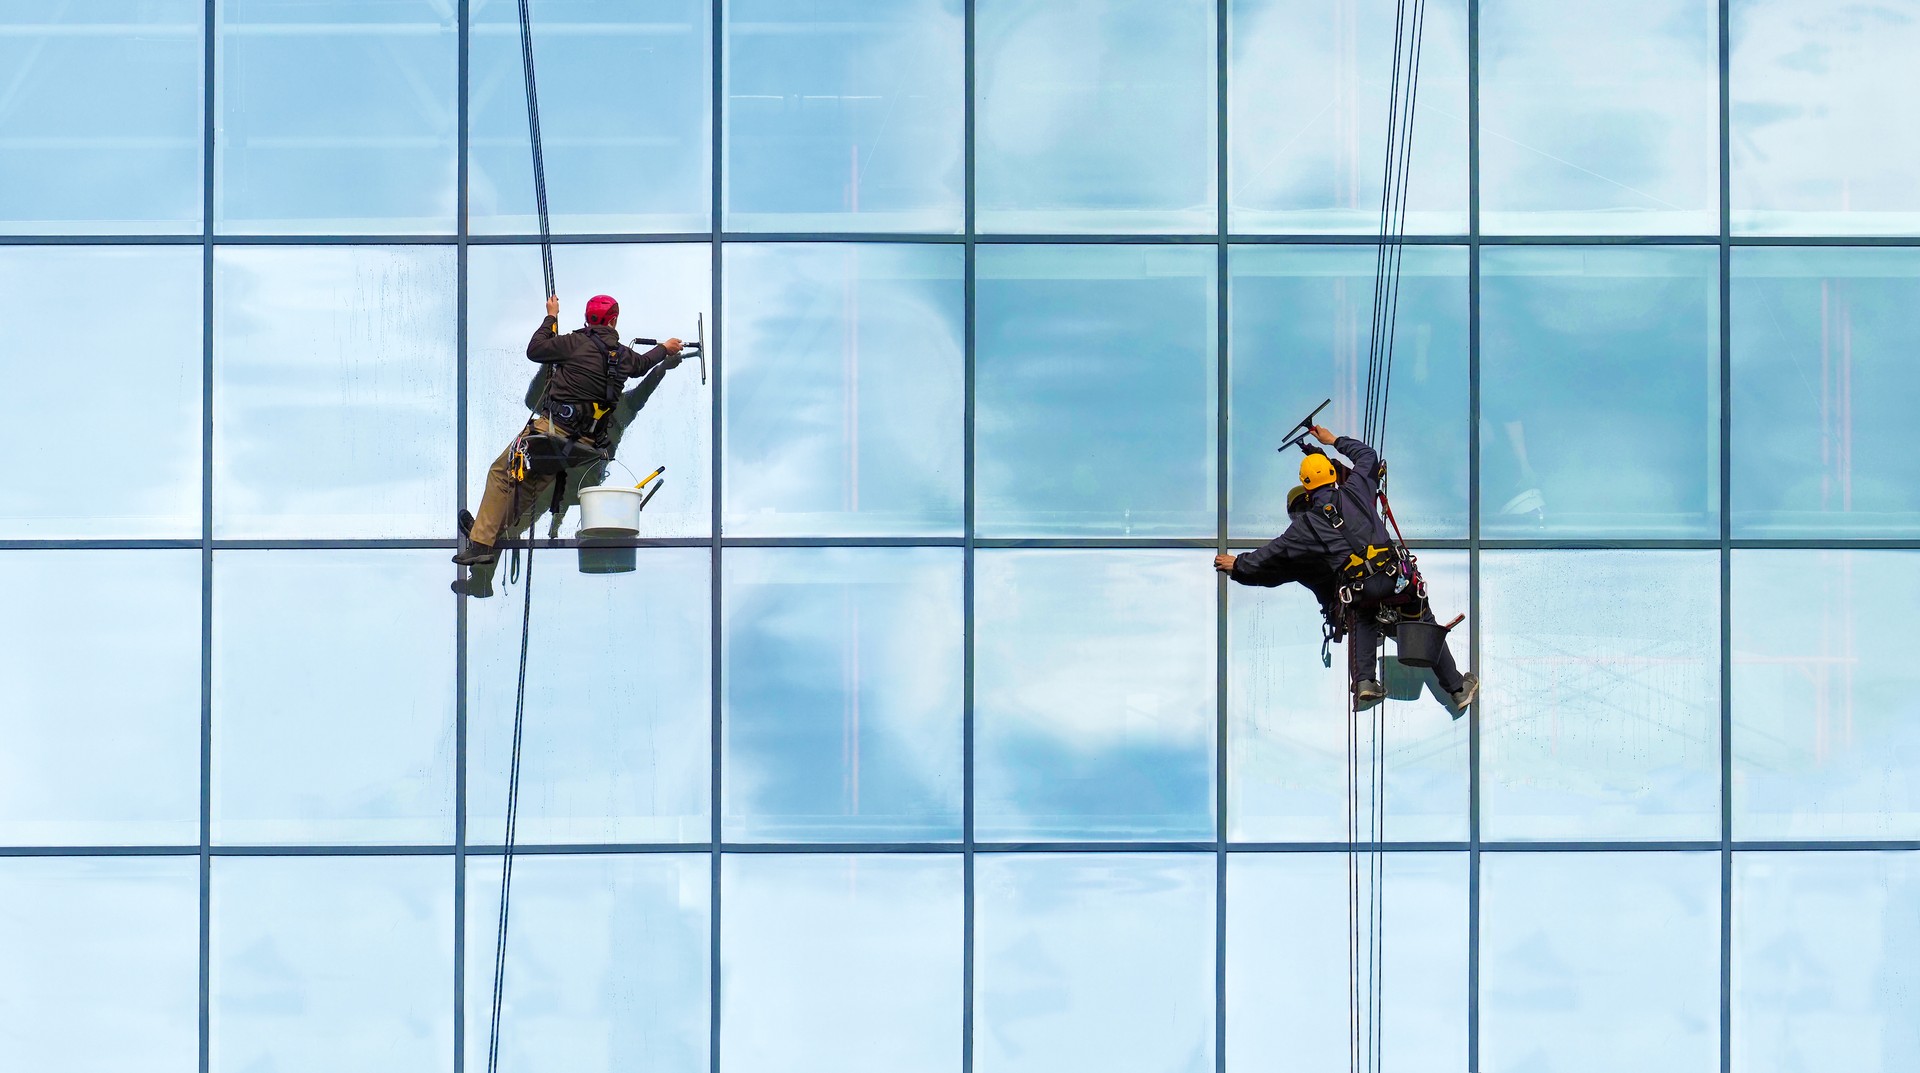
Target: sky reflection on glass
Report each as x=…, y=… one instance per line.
x=1093, y=695
x=842, y=694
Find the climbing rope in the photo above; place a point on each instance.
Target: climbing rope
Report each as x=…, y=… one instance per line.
x=526, y=609
x=539, y=159
x=1366, y=984
x=513, y=817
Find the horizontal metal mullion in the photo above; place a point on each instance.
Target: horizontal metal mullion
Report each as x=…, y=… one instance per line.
x=640, y=237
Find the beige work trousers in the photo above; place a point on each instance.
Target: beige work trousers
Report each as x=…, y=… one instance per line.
x=497, y=502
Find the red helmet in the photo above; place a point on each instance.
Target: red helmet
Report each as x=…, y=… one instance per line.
x=601, y=309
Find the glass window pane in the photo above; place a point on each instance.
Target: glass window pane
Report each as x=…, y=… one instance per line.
x=1601, y=713
x=321, y=964
x=1823, y=952
x=1600, y=117
x=1096, y=391
x=1825, y=740
x=664, y=419
x=1287, y=732
x=839, y=963
x=619, y=709
x=141, y=394
x=333, y=676
x=1820, y=90
x=336, y=117
x=103, y=963
x=842, y=691
x=1824, y=441
x=1094, y=961
x=1600, y=398
x=1095, y=116
x=334, y=392
x=607, y=963
x=100, y=698
x=1307, y=124
x=845, y=116
x=1311, y=306
x=100, y=123
x=1094, y=691
x=1599, y=961
x=626, y=104
x=845, y=389
x=1288, y=978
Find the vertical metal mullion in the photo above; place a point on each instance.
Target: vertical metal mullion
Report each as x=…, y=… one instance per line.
x=208, y=104
x=1726, y=544
x=717, y=123
x=464, y=36
x=1473, y=527
x=1222, y=402
x=967, y=553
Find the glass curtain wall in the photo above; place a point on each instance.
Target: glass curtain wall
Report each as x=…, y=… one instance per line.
x=920, y=734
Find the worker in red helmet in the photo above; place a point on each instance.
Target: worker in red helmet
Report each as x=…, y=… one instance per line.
x=589, y=367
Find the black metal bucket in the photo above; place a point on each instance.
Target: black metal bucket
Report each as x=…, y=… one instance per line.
x=1419, y=644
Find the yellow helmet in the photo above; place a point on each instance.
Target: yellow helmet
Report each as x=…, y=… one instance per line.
x=1296, y=499
x=1316, y=471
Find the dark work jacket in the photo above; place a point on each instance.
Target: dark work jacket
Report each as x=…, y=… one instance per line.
x=1275, y=570
x=579, y=362
x=1312, y=538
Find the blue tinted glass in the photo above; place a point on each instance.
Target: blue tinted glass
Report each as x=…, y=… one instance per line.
x=666, y=418
x=1288, y=967
x=845, y=389
x=1600, y=399
x=618, y=707
x=1287, y=729
x=334, y=392
x=100, y=120
x=835, y=963
x=1600, y=117
x=1095, y=115
x=1823, y=952
x=1601, y=713
x=103, y=963
x=333, y=683
x=844, y=116
x=1824, y=393
x=1095, y=391
x=1599, y=961
x=1307, y=124
x=1094, y=694
x=1310, y=306
x=1825, y=740
x=336, y=117
x=1093, y=961
x=607, y=963
x=100, y=698
x=321, y=964
x=626, y=98
x=1817, y=87
x=138, y=473
x=842, y=694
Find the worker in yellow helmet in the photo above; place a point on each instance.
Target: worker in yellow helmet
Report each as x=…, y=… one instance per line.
x=1336, y=533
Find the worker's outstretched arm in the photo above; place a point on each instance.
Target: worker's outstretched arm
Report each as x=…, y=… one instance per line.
x=1366, y=461
x=639, y=363
x=544, y=346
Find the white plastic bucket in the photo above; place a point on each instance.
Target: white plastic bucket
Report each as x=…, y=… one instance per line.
x=610, y=511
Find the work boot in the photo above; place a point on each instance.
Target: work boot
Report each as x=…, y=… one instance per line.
x=1469, y=689
x=478, y=584
x=476, y=554
x=1368, y=691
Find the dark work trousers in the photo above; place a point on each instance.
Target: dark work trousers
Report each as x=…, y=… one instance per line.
x=1363, y=649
